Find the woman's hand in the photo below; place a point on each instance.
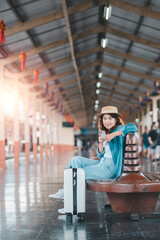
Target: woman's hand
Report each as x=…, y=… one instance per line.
x=100, y=139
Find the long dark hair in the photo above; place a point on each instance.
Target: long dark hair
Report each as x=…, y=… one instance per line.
x=118, y=119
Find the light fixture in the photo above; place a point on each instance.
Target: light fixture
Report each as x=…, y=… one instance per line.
x=100, y=74
x=107, y=12
x=97, y=91
x=98, y=84
x=104, y=42
x=95, y=117
x=97, y=101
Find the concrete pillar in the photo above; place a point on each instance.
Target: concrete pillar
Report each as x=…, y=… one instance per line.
x=55, y=131
x=139, y=117
x=154, y=109
x=65, y=136
x=148, y=116
x=46, y=130
x=40, y=130
x=50, y=132
x=16, y=124
x=34, y=130
x=2, y=126
x=27, y=145
x=142, y=121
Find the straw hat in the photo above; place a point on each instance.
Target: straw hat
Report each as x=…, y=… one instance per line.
x=109, y=109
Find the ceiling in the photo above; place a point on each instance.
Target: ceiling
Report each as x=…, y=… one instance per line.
x=62, y=39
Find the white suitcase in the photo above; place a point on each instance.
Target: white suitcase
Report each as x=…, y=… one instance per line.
x=74, y=193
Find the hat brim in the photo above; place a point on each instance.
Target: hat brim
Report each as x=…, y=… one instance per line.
x=99, y=115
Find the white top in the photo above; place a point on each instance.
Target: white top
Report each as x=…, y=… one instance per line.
x=107, y=150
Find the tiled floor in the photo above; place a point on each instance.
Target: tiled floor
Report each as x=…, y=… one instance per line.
x=26, y=213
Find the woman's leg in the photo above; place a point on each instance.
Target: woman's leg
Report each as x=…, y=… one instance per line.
x=81, y=162
x=76, y=162
x=97, y=172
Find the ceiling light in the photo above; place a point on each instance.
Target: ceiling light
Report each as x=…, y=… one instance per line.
x=97, y=91
x=100, y=74
x=97, y=101
x=98, y=84
x=107, y=12
x=95, y=107
x=104, y=42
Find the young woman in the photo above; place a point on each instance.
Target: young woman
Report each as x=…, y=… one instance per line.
x=110, y=149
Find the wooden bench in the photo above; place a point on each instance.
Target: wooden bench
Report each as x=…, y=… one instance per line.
x=133, y=192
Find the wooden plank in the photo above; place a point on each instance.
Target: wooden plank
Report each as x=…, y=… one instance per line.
x=131, y=162
x=119, y=79
x=150, y=176
x=133, y=58
x=132, y=37
x=131, y=72
x=130, y=155
x=156, y=176
x=132, y=168
x=65, y=12
x=20, y=27
x=143, y=11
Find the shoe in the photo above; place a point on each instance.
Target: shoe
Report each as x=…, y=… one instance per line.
x=61, y=211
x=59, y=194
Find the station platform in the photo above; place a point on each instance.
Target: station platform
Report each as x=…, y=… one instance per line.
x=26, y=212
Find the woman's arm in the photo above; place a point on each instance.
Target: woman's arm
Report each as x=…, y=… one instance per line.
x=110, y=136
x=121, y=130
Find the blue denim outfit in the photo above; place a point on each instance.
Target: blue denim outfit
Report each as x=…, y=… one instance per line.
x=94, y=169
x=105, y=168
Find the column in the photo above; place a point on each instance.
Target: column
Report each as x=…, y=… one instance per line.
x=55, y=131
x=16, y=124
x=50, y=131
x=34, y=130
x=139, y=118
x=40, y=130
x=65, y=135
x=142, y=119
x=2, y=126
x=46, y=131
x=148, y=116
x=154, y=109
x=27, y=145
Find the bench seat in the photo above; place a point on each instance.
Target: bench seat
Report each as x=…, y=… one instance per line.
x=133, y=192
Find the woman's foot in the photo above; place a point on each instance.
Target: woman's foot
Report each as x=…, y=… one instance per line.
x=61, y=211
x=58, y=195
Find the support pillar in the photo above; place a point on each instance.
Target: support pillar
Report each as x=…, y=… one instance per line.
x=148, y=116
x=154, y=109
x=16, y=125
x=40, y=130
x=50, y=133
x=55, y=131
x=45, y=132
x=27, y=145
x=139, y=118
x=34, y=130
x=2, y=126
x=142, y=120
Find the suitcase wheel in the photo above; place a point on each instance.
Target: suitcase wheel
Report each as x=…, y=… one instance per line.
x=69, y=217
x=81, y=216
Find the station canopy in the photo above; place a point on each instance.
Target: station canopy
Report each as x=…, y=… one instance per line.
x=82, y=55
